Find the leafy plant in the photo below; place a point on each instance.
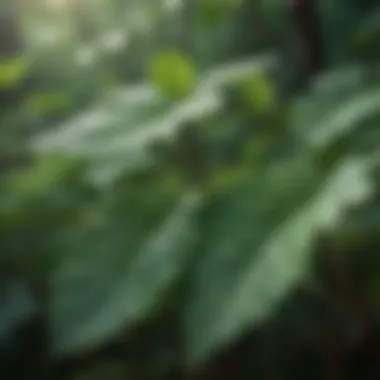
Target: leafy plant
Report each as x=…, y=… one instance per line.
x=188, y=205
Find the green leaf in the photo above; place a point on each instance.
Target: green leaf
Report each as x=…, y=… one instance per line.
x=116, y=135
x=340, y=103
x=12, y=71
x=344, y=118
x=46, y=174
x=258, y=94
x=211, y=12
x=368, y=31
x=257, y=246
x=172, y=73
x=47, y=102
x=96, y=296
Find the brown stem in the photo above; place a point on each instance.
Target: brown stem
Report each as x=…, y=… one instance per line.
x=307, y=25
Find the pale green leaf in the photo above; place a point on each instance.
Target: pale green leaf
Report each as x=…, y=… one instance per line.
x=117, y=134
x=258, y=247
x=97, y=297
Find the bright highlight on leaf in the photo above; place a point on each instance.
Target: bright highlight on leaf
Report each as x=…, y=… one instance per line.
x=258, y=93
x=172, y=73
x=12, y=71
x=48, y=102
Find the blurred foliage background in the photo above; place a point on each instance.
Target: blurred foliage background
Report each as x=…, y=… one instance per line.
x=189, y=189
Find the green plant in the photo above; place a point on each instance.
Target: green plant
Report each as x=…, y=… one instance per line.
x=148, y=212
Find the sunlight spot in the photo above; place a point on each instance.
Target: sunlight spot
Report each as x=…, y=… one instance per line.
x=85, y=56
x=57, y=5
x=115, y=40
